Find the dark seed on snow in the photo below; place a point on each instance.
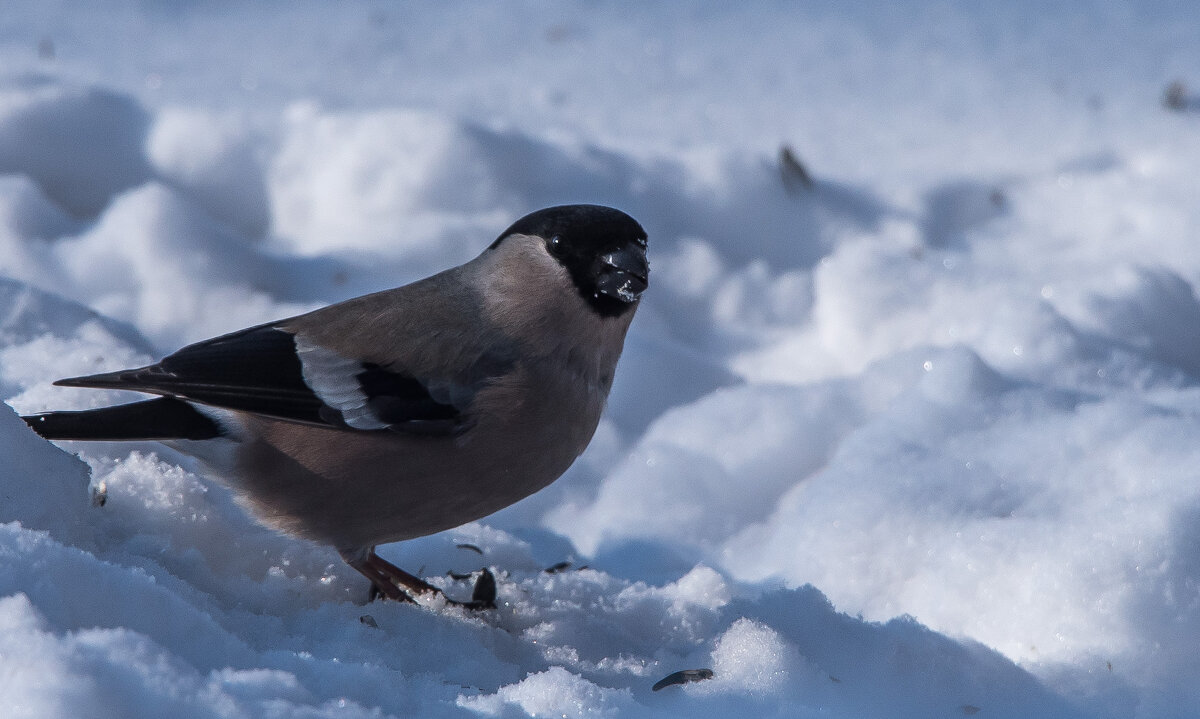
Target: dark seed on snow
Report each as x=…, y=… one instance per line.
x=99, y=494
x=485, y=589
x=683, y=677
x=795, y=176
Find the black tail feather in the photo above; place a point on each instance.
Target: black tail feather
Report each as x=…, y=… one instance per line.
x=163, y=418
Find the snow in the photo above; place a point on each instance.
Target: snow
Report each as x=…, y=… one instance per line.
x=914, y=440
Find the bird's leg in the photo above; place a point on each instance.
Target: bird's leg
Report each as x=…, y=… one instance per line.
x=395, y=583
x=388, y=579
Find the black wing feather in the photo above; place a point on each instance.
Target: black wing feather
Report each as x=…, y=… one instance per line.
x=396, y=398
x=257, y=370
x=254, y=370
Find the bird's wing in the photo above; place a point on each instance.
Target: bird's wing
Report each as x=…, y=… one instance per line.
x=271, y=371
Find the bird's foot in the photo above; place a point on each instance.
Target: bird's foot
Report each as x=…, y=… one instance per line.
x=391, y=582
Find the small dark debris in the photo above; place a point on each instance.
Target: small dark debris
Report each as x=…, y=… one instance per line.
x=45, y=49
x=834, y=679
x=555, y=569
x=969, y=709
x=369, y=621
x=1176, y=96
x=1109, y=666
x=484, y=594
x=99, y=494
x=470, y=547
x=458, y=577
x=793, y=173
x=683, y=677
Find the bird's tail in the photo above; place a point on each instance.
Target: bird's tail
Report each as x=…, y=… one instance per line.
x=159, y=419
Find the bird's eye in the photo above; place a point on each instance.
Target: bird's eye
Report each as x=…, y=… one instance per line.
x=555, y=243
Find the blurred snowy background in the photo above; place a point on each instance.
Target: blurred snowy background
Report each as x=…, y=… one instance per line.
x=907, y=425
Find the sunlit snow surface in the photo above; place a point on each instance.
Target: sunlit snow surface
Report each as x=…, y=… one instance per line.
x=913, y=431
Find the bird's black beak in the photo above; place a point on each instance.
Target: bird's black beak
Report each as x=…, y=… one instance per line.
x=623, y=274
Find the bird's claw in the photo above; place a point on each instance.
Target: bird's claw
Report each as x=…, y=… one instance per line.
x=390, y=582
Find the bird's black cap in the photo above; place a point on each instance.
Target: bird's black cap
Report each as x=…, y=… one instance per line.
x=603, y=249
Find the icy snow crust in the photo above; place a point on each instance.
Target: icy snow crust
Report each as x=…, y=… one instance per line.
x=918, y=439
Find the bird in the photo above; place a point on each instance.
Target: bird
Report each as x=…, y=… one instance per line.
x=408, y=411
